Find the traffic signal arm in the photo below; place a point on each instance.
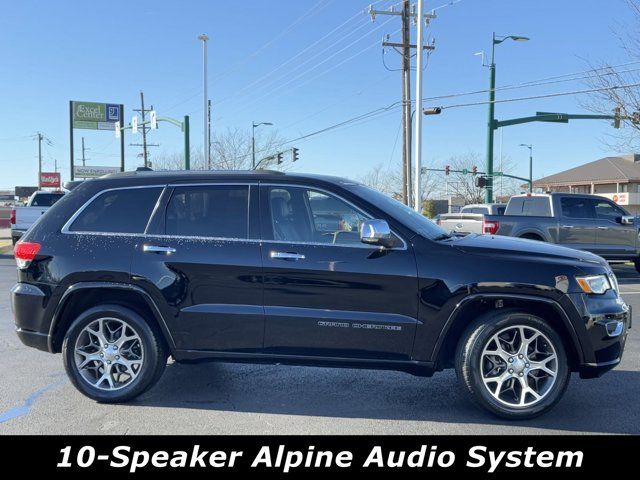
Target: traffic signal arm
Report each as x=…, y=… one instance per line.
x=550, y=117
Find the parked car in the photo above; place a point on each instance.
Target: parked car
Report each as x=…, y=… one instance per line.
x=23, y=217
x=584, y=222
x=470, y=219
x=130, y=268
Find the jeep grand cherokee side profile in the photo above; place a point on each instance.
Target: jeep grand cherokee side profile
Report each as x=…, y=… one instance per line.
x=266, y=267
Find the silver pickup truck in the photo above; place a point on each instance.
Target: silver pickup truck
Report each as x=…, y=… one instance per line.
x=584, y=222
x=470, y=219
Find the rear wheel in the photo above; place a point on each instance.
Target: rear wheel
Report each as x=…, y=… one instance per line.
x=111, y=354
x=513, y=364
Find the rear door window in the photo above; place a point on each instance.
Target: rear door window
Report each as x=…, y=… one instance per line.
x=215, y=211
x=118, y=211
x=576, y=207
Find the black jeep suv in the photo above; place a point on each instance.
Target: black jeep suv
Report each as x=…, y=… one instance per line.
x=299, y=269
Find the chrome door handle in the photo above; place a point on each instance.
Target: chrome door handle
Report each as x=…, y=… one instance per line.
x=157, y=249
x=286, y=256
x=603, y=228
x=567, y=226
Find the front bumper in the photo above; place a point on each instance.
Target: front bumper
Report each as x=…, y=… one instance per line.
x=606, y=319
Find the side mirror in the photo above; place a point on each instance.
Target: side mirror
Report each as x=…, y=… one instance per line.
x=627, y=220
x=376, y=232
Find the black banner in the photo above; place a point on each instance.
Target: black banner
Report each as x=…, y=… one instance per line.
x=490, y=456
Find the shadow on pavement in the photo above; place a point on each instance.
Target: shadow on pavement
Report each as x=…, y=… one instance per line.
x=605, y=405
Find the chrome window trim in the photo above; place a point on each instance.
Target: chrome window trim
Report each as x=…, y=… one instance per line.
x=67, y=225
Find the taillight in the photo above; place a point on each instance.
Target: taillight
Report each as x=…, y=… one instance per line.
x=25, y=252
x=491, y=227
x=12, y=218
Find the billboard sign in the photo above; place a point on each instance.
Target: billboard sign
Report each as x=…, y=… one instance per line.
x=50, y=179
x=93, y=171
x=95, y=116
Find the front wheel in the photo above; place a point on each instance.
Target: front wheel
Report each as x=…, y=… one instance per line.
x=111, y=354
x=513, y=364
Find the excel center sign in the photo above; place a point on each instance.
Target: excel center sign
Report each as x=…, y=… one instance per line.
x=95, y=116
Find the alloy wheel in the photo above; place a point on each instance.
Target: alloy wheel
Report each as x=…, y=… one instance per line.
x=519, y=366
x=109, y=354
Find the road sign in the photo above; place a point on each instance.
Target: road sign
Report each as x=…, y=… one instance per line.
x=95, y=116
x=117, y=128
x=93, y=171
x=50, y=179
x=465, y=171
x=153, y=119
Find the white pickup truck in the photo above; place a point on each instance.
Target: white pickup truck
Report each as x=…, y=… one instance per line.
x=470, y=219
x=23, y=217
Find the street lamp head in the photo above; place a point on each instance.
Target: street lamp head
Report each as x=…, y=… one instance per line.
x=203, y=37
x=515, y=38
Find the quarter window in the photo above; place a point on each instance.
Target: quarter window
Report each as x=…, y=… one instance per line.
x=218, y=211
x=118, y=211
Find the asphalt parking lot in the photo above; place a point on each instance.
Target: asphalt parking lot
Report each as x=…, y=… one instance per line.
x=37, y=398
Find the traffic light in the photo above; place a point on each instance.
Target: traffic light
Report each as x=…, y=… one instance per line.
x=279, y=158
x=294, y=154
x=481, y=182
x=474, y=170
x=432, y=111
x=447, y=170
x=616, y=117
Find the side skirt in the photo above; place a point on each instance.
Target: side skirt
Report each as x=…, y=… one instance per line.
x=421, y=369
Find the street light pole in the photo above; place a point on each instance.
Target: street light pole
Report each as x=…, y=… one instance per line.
x=530, y=147
x=488, y=194
x=255, y=125
x=417, y=165
x=206, y=146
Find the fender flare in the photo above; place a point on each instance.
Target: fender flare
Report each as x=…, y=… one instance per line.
x=109, y=285
x=574, y=337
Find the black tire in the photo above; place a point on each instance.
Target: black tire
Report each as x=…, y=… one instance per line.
x=154, y=359
x=636, y=263
x=468, y=363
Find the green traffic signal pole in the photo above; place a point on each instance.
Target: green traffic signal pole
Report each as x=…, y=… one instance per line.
x=488, y=194
x=184, y=126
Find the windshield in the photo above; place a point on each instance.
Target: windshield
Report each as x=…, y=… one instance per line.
x=405, y=215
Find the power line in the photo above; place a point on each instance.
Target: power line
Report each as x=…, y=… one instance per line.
x=548, y=95
x=540, y=81
x=233, y=68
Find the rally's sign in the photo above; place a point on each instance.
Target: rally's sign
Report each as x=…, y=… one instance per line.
x=93, y=171
x=50, y=179
x=95, y=116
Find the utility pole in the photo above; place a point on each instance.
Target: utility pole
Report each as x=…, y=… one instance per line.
x=145, y=129
x=407, y=14
x=418, y=132
x=206, y=145
x=40, y=137
x=406, y=103
x=84, y=159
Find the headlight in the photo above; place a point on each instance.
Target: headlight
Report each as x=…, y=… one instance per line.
x=597, y=284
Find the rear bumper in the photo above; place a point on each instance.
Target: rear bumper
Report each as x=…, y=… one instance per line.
x=28, y=304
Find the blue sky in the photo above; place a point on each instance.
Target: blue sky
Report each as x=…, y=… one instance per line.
x=108, y=51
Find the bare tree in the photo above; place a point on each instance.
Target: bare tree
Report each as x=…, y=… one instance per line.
x=388, y=180
x=230, y=150
x=610, y=81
